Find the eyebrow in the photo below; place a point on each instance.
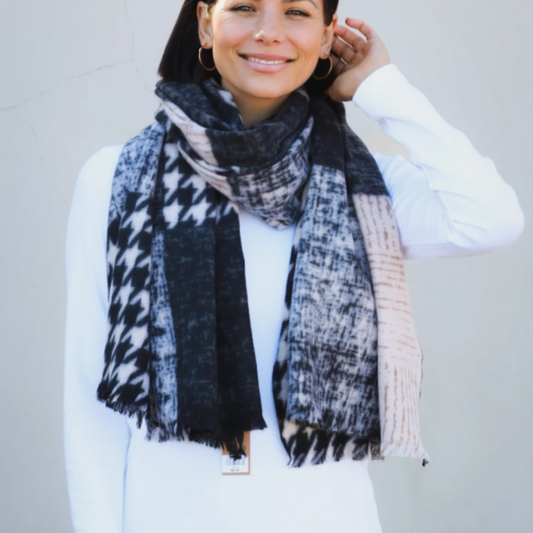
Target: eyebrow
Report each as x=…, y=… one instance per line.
x=293, y=1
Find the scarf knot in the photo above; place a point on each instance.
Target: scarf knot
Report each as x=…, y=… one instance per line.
x=264, y=169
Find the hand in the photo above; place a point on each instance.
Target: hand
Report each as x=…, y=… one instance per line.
x=354, y=59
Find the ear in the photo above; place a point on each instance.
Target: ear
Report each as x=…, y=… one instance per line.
x=327, y=39
x=205, y=27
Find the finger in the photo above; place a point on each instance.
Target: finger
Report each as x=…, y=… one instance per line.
x=362, y=26
x=343, y=50
x=338, y=65
x=356, y=41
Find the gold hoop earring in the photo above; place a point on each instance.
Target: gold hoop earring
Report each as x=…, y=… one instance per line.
x=201, y=62
x=329, y=71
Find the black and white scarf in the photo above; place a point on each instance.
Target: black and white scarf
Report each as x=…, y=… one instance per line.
x=346, y=381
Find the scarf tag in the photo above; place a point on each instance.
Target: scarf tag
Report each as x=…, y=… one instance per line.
x=237, y=466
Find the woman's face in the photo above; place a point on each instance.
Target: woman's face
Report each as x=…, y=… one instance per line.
x=265, y=49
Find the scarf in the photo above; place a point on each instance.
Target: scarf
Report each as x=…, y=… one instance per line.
x=179, y=352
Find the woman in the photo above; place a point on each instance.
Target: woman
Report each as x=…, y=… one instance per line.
x=241, y=104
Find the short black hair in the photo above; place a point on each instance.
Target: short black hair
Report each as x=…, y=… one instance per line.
x=180, y=58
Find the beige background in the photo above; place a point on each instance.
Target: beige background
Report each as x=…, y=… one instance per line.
x=79, y=75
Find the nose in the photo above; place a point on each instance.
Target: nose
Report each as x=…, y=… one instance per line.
x=269, y=29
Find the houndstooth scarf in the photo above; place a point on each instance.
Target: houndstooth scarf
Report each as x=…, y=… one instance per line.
x=179, y=354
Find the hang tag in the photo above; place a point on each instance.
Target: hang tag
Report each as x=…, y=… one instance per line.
x=237, y=466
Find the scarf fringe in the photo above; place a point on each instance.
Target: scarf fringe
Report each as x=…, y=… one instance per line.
x=125, y=409
x=312, y=449
x=231, y=439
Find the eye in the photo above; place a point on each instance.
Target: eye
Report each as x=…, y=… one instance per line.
x=298, y=13
x=244, y=8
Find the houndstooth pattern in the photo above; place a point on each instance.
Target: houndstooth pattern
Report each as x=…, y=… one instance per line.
x=136, y=281
x=125, y=381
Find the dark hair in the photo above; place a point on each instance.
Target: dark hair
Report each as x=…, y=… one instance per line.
x=180, y=58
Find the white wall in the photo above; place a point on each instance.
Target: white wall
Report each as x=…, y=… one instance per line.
x=77, y=76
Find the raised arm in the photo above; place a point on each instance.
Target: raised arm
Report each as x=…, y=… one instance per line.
x=96, y=438
x=448, y=199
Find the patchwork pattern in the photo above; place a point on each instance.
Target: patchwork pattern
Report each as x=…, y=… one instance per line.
x=180, y=355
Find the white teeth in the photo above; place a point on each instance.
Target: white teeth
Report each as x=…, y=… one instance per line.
x=264, y=62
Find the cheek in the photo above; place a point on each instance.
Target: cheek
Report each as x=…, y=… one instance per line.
x=307, y=41
x=229, y=35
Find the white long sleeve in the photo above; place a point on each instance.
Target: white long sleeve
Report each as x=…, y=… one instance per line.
x=449, y=200
x=95, y=437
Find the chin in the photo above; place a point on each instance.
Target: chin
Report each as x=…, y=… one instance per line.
x=268, y=89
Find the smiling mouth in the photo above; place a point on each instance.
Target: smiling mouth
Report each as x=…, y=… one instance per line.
x=266, y=61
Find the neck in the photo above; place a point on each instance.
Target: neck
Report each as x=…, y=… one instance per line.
x=254, y=110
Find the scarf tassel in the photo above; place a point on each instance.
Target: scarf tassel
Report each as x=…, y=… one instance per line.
x=122, y=408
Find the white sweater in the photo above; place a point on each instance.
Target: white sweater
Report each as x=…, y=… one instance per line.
x=448, y=200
